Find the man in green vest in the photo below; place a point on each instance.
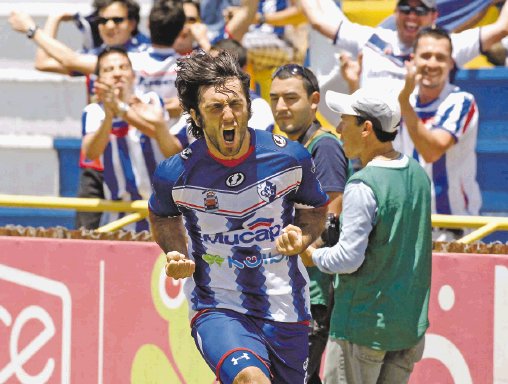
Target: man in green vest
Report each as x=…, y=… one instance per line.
x=384, y=253
x=294, y=97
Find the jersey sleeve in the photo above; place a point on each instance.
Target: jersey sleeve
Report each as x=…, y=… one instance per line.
x=358, y=219
x=352, y=36
x=456, y=113
x=310, y=193
x=92, y=118
x=161, y=202
x=466, y=46
x=331, y=164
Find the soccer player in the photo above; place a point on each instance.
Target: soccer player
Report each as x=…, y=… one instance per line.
x=237, y=189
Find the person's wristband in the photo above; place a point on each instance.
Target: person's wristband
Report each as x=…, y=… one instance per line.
x=261, y=19
x=123, y=108
x=31, y=31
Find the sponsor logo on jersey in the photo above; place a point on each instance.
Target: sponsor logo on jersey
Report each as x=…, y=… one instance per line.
x=244, y=238
x=260, y=222
x=211, y=201
x=235, y=179
x=255, y=261
x=279, y=141
x=267, y=191
x=211, y=259
x=186, y=153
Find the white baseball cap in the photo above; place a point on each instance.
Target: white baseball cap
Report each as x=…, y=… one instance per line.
x=370, y=104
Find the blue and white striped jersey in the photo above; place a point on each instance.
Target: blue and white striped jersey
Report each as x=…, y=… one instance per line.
x=233, y=213
x=130, y=157
x=455, y=190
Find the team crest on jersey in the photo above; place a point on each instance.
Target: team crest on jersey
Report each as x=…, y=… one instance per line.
x=267, y=191
x=279, y=141
x=235, y=179
x=186, y=153
x=211, y=201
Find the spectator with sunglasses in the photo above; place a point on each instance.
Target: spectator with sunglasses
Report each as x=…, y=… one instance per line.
x=294, y=98
x=385, y=51
x=118, y=25
x=117, y=22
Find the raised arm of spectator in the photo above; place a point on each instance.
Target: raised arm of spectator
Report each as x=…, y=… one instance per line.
x=69, y=59
x=320, y=20
x=199, y=33
x=151, y=116
x=492, y=33
x=430, y=144
x=290, y=15
x=238, y=24
x=43, y=61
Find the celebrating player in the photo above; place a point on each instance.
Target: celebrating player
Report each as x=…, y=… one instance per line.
x=237, y=189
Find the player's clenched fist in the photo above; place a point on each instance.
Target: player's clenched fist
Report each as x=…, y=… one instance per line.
x=290, y=242
x=178, y=266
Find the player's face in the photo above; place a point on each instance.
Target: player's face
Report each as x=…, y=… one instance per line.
x=351, y=136
x=223, y=117
x=114, y=26
x=292, y=108
x=433, y=60
x=408, y=24
x=116, y=69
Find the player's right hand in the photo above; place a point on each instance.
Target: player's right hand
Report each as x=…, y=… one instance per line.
x=178, y=266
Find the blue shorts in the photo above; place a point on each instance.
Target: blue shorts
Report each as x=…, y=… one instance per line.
x=230, y=341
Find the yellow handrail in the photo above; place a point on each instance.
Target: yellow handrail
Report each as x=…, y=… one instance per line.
x=483, y=225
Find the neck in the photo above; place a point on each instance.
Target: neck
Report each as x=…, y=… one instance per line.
x=426, y=94
x=383, y=151
x=296, y=135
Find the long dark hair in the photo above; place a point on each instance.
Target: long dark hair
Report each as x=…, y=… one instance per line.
x=203, y=70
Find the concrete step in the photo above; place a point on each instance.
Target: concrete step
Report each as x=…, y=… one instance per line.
x=40, y=103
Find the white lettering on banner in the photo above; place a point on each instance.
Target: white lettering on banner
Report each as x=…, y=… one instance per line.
x=32, y=312
x=440, y=348
x=19, y=358
x=501, y=324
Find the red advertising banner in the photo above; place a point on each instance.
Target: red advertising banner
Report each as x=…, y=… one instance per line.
x=467, y=341
x=76, y=311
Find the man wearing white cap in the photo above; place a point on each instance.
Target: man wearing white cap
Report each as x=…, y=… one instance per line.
x=384, y=252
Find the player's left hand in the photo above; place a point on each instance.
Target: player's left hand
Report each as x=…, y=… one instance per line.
x=290, y=242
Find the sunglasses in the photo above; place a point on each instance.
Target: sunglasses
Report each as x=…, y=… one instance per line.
x=104, y=20
x=418, y=11
x=295, y=70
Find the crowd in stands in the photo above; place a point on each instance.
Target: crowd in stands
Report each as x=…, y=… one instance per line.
x=134, y=119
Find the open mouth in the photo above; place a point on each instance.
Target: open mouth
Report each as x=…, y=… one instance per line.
x=228, y=135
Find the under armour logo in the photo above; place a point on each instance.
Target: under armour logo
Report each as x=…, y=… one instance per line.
x=244, y=356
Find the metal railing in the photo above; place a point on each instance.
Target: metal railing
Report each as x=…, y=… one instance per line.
x=482, y=225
